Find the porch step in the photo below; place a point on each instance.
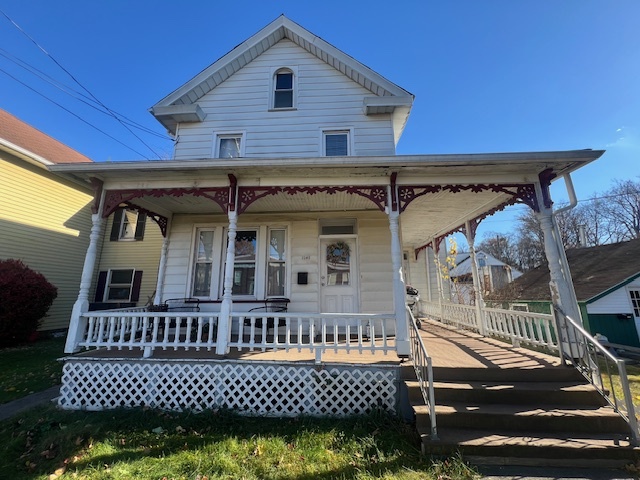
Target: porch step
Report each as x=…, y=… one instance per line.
x=544, y=416
x=533, y=448
x=528, y=418
x=515, y=393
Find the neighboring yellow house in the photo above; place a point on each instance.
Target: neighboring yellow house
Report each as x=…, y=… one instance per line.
x=44, y=220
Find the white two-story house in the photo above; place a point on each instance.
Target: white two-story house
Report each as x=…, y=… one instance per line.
x=285, y=215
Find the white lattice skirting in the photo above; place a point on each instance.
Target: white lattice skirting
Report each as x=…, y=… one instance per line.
x=258, y=388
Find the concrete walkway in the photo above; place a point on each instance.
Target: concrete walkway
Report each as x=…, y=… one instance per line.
x=10, y=409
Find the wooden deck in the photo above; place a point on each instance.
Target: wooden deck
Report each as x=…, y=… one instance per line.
x=450, y=347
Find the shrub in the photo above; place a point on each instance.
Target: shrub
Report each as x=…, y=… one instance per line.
x=25, y=298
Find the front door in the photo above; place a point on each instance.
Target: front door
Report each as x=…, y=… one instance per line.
x=338, y=275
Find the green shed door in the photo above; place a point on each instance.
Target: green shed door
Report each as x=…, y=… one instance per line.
x=617, y=328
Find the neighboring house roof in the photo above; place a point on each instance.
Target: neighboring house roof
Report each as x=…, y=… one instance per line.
x=463, y=264
x=387, y=97
x=22, y=139
x=595, y=271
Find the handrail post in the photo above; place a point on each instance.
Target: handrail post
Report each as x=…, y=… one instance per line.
x=628, y=400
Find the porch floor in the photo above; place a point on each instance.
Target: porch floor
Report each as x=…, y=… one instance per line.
x=292, y=356
x=457, y=348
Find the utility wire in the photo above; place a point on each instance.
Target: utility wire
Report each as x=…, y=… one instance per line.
x=81, y=97
x=82, y=86
x=73, y=93
x=69, y=111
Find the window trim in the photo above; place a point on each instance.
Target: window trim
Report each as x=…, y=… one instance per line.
x=217, y=245
x=633, y=309
x=272, y=88
x=334, y=131
x=219, y=135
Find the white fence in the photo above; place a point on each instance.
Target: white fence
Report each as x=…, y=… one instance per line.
x=536, y=329
x=120, y=329
x=522, y=327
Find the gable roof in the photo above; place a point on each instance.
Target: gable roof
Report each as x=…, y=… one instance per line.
x=464, y=266
x=24, y=140
x=180, y=105
x=595, y=271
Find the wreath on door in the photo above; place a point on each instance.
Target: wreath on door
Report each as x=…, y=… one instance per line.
x=338, y=252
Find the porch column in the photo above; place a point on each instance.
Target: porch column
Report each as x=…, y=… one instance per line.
x=224, y=320
x=399, y=290
x=477, y=287
x=560, y=284
x=77, y=324
x=436, y=262
x=162, y=267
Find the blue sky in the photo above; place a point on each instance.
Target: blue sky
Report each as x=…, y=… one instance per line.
x=488, y=76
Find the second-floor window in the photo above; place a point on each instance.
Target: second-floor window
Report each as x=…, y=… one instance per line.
x=335, y=143
x=127, y=225
x=283, y=93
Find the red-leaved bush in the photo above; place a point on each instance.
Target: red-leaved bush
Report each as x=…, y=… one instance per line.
x=25, y=298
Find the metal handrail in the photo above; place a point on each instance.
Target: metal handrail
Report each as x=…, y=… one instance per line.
x=422, y=364
x=584, y=352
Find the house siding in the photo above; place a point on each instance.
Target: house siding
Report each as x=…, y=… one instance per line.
x=373, y=251
x=140, y=255
x=45, y=222
x=616, y=302
x=325, y=98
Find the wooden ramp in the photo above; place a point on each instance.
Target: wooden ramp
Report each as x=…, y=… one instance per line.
x=503, y=405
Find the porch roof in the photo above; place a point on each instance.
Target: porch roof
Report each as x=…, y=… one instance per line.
x=429, y=185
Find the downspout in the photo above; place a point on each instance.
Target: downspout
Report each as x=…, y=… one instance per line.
x=573, y=202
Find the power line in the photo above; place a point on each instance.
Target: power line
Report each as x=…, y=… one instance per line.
x=81, y=97
x=72, y=113
x=82, y=86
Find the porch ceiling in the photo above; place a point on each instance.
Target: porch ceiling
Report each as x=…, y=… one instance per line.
x=425, y=216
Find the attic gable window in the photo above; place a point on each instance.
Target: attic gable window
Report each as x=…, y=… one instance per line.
x=283, y=93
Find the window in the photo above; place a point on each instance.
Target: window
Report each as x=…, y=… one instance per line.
x=343, y=226
x=635, y=302
x=128, y=225
x=229, y=146
x=244, y=263
x=283, y=91
x=119, y=285
x=276, y=268
x=203, y=263
x=336, y=143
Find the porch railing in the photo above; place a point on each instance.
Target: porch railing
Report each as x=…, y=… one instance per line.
x=423, y=367
x=136, y=328
x=606, y=372
x=536, y=329
x=316, y=332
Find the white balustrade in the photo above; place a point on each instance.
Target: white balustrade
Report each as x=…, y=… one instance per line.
x=522, y=327
x=136, y=328
x=463, y=316
x=315, y=332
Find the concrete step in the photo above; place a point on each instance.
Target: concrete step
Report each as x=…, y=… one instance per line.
x=547, y=374
x=533, y=448
x=537, y=393
x=528, y=418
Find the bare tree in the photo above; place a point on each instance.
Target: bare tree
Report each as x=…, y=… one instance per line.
x=621, y=205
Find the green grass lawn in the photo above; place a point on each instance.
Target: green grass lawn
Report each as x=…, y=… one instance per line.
x=30, y=368
x=149, y=444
